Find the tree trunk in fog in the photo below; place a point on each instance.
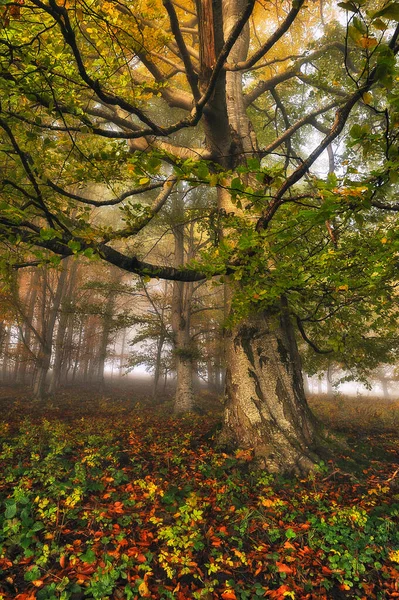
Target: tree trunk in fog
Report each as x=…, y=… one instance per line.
x=122, y=355
x=158, y=363
x=106, y=328
x=78, y=352
x=181, y=314
x=61, y=341
x=330, y=390
x=26, y=330
x=5, y=351
x=385, y=388
x=48, y=324
x=87, y=349
x=305, y=379
x=68, y=359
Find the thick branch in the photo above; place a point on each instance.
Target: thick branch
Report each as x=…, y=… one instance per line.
x=191, y=76
x=127, y=263
x=308, y=341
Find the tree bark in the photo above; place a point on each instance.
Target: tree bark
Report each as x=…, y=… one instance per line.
x=265, y=407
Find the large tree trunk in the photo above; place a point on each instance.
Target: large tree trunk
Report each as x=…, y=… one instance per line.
x=266, y=409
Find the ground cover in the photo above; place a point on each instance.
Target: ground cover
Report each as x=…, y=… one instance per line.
x=106, y=498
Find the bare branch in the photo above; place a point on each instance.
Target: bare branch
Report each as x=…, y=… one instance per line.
x=294, y=71
x=307, y=119
x=274, y=38
x=113, y=201
x=341, y=117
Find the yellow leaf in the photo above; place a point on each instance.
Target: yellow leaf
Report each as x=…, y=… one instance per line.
x=367, y=97
x=367, y=42
x=394, y=556
x=144, y=590
x=213, y=180
x=267, y=502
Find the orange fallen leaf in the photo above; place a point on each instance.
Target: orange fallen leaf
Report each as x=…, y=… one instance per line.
x=283, y=568
x=229, y=595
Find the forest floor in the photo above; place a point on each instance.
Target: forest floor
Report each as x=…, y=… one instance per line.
x=107, y=497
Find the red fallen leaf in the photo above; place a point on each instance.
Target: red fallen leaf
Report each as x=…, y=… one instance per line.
x=216, y=541
x=229, y=595
x=86, y=569
x=141, y=558
x=62, y=561
x=282, y=568
x=279, y=594
x=5, y=563
x=326, y=570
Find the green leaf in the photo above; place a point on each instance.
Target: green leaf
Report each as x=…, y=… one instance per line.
x=351, y=6
x=88, y=557
x=74, y=245
x=11, y=509
x=290, y=534
x=391, y=11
